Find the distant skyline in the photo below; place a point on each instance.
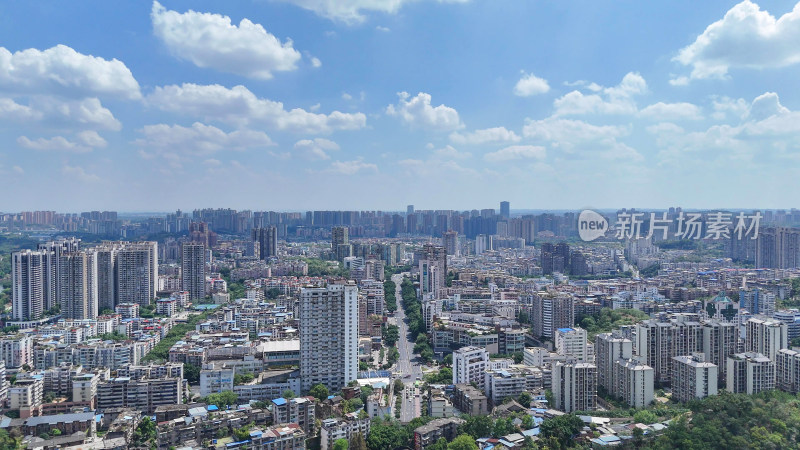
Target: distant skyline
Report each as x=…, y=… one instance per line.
x=373, y=104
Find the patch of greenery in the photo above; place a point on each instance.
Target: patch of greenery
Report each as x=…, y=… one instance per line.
x=766, y=420
x=161, y=350
x=610, y=319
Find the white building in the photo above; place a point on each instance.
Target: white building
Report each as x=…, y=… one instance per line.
x=572, y=342
x=193, y=270
x=16, y=351
x=574, y=386
x=137, y=272
x=335, y=429
x=77, y=281
x=29, y=270
x=750, y=373
x=787, y=371
x=216, y=380
x=329, y=335
x=693, y=378
x=469, y=365
x=765, y=336
x=610, y=347
x=633, y=382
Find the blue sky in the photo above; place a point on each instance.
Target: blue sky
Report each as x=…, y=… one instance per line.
x=375, y=104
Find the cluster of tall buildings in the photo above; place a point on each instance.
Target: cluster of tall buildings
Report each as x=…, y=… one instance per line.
x=82, y=282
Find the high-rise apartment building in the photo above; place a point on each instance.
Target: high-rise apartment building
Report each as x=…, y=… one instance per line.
x=765, y=336
x=137, y=272
x=432, y=269
x=693, y=378
x=450, y=241
x=505, y=210
x=28, y=277
x=787, y=371
x=340, y=243
x=778, y=248
x=657, y=343
x=750, y=373
x=757, y=301
x=329, y=335
x=720, y=340
x=469, y=365
x=572, y=342
x=551, y=312
x=107, y=275
x=267, y=241
x=633, y=383
x=610, y=347
x=193, y=270
x=574, y=386
x=78, y=285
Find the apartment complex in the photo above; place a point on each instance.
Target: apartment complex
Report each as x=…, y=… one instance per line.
x=329, y=335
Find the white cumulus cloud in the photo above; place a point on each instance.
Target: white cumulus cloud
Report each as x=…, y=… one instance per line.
x=530, y=85
x=61, y=70
x=418, y=112
x=78, y=173
x=352, y=11
x=240, y=106
x=484, y=136
x=352, y=167
x=85, y=141
x=516, y=152
x=199, y=138
x=745, y=37
x=315, y=149
x=11, y=110
x=212, y=41
x=619, y=99
x=672, y=111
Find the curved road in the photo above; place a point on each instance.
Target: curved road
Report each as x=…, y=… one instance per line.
x=408, y=368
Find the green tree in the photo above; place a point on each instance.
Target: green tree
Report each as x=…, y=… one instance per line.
x=525, y=399
x=145, y=432
x=638, y=437
x=341, y=444
x=357, y=442
x=644, y=416
x=527, y=422
x=463, y=442
x=6, y=441
x=191, y=373
x=502, y=427
x=223, y=399
x=477, y=426
x=441, y=444
x=387, y=434
x=398, y=385
x=242, y=434
x=319, y=391
x=562, y=428
x=366, y=391
x=391, y=334
x=288, y=394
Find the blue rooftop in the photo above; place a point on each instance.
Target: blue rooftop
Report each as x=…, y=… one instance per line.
x=213, y=408
x=565, y=330
x=279, y=401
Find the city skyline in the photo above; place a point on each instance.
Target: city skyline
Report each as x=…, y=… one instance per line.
x=141, y=106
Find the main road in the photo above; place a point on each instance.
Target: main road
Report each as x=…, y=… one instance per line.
x=407, y=366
